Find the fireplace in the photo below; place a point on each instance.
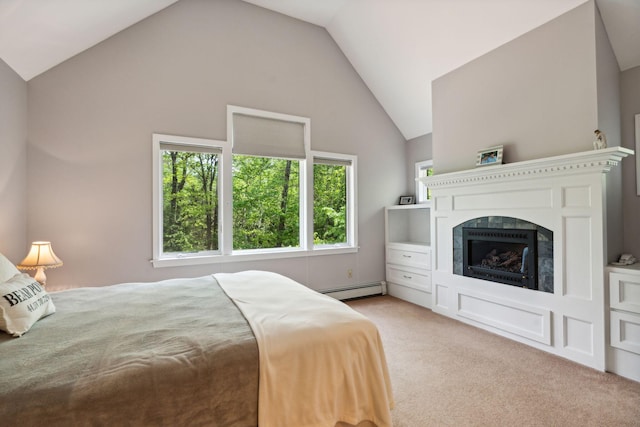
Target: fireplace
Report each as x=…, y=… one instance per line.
x=569, y=202
x=475, y=239
x=506, y=256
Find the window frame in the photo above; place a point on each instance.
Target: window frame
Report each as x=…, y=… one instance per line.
x=225, y=252
x=160, y=258
x=421, y=188
x=303, y=192
x=352, y=185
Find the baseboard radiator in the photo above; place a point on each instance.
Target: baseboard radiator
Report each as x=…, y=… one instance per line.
x=357, y=291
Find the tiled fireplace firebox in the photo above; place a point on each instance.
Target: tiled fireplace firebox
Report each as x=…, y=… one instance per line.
x=565, y=196
x=543, y=248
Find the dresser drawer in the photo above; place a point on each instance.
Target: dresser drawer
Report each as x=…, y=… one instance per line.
x=409, y=277
x=625, y=331
x=410, y=258
x=625, y=292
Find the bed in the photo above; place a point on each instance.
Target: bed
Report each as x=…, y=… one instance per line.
x=238, y=349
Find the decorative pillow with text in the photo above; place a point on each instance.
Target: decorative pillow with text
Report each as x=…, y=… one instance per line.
x=7, y=269
x=23, y=301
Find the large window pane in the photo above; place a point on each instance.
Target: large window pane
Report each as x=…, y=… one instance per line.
x=190, y=202
x=266, y=202
x=329, y=203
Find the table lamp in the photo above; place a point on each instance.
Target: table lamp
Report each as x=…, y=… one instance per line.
x=40, y=257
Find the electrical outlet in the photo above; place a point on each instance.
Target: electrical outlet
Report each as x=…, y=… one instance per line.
x=350, y=273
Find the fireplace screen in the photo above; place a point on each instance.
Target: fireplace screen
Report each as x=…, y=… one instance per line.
x=501, y=255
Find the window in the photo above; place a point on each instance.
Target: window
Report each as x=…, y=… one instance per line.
x=269, y=154
x=423, y=169
x=262, y=194
x=186, y=196
x=266, y=202
x=333, y=205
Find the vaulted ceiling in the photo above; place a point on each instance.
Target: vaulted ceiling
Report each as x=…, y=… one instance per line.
x=397, y=46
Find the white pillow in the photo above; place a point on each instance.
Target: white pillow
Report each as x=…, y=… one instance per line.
x=22, y=303
x=7, y=269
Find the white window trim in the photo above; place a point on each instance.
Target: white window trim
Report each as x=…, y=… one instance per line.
x=304, y=177
x=352, y=206
x=159, y=257
x=421, y=189
x=225, y=201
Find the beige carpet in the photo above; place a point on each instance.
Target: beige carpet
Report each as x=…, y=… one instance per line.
x=446, y=373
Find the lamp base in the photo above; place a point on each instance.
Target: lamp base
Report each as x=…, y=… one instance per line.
x=41, y=277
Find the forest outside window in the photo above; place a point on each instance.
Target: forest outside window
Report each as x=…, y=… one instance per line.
x=266, y=203
x=186, y=196
x=261, y=194
x=333, y=202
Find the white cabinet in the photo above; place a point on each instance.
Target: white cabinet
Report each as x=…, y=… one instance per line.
x=408, y=252
x=624, y=321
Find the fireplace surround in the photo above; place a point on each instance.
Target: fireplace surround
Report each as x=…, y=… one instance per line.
x=568, y=201
x=478, y=237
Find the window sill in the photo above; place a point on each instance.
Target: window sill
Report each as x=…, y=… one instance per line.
x=250, y=255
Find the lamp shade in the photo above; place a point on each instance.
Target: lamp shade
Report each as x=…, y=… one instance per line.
x=40, y=255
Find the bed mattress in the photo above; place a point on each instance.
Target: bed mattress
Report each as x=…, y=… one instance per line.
x=175, y=352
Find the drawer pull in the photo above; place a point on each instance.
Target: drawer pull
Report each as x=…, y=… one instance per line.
x=406, y=256
x=407, y=277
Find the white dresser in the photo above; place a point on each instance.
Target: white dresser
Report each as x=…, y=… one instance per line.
x=408, y=252
x=623, y=349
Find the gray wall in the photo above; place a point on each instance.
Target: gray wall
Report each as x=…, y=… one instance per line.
x=540, y=95
x=608, y=84
x=536, y=95
x=608, y=91
x=91, y=120
x=416, y=150
x=13, y=164
x=630, y=101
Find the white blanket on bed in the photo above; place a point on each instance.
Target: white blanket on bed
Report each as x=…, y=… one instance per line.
x=320, y=361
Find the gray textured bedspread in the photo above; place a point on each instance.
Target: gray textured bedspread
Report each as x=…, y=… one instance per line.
x=173, y=353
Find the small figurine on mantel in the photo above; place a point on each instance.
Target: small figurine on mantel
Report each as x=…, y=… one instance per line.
x=600, y=141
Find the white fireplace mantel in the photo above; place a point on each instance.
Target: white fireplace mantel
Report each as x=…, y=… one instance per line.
x=565, y=194
x=598, y=161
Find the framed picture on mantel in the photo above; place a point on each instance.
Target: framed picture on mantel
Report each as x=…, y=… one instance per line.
x=489, y=156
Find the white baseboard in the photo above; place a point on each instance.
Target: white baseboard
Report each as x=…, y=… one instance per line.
x=363, y=290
